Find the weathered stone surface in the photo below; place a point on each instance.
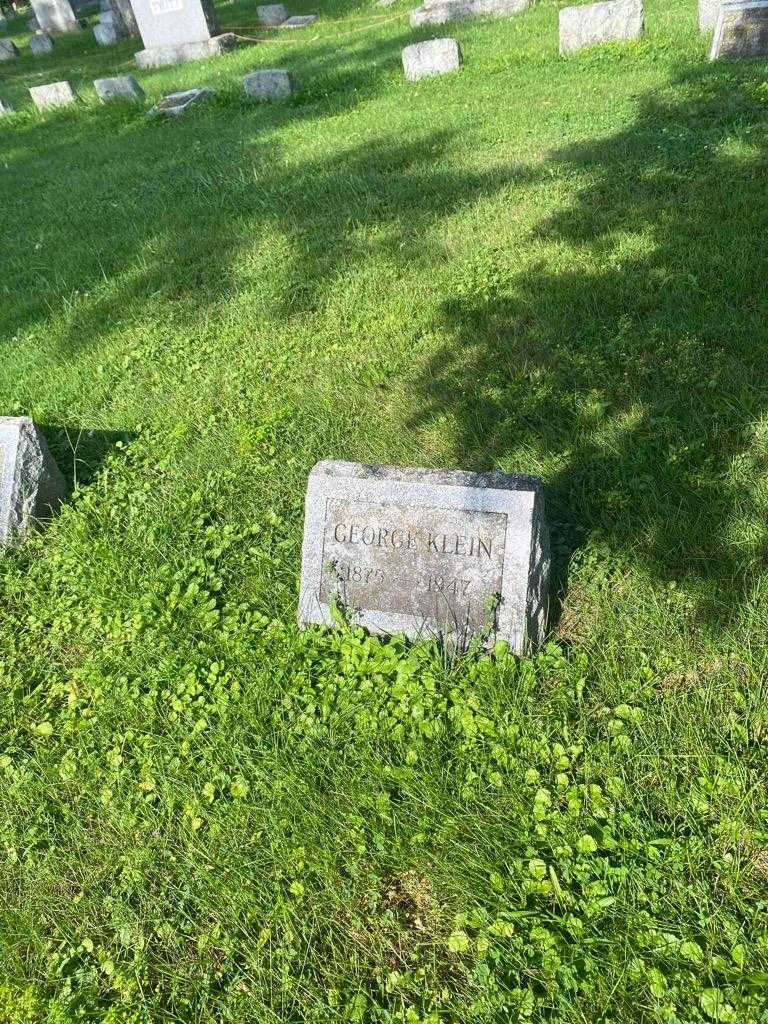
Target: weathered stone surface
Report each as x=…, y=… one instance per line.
x=298, y=21
x=31, y=486
x=5, y=108
x=426, y=552
x=56, y=94
x=268, y=84
x=8, y=50
x=40, y=44
x=178, y=102
x=55, y=16
x=124, y=17
x=435, y=12
x=432, y=57
x=32, y=24
x=708, y=14
x=159, y=56
x=741, y=30
x=106, y=35
x=123, y=87
x=3, y=24
x=593, y=24
x=272, y=14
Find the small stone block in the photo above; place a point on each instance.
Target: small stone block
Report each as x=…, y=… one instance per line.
x=432, y=57
x=8, y=50
x=31, y=486
x=299, y=21
x=741, y=31
x=123, y=87
x=106, y=34
x=708, y=11
x=426, y=553
x=432, y=13
x=56, y=94
x=594, y=24
x=40, y=44
x=178, y=102
x=5, y=108
x=268, y=84
x=270, y=15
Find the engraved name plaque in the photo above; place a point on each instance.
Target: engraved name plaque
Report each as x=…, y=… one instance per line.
x=426, y=553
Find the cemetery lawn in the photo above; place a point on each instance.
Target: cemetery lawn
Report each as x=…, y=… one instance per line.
x=540, y=265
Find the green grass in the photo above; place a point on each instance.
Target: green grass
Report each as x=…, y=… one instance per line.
x=541, y=265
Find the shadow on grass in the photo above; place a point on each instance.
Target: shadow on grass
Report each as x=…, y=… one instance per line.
x=79, y=452
x=639, y=365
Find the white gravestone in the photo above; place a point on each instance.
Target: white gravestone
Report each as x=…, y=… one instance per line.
x=432, y=57
x=594, y=24
x=426, y=553
x=55, y=16
x=708, y=14
x=741, y=31
x=178, y=30
x=31, y=486
x=56, y=94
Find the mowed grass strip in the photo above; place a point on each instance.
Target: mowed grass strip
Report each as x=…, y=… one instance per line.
x=540, y=265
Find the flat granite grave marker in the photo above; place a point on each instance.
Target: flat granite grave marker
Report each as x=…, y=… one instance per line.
x=298, y=21
x=8, y=50
x=55, y=16
x=178, y=102
x=594, y=24
x=268, y=84
x=271, y=15
x=741, y=30
x=123, y=87
x=55, y=94
x=40, y=44
x=432, y=57
x=31, y=486
x=426, y=553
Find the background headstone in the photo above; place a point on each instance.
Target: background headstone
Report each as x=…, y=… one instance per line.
x=31, y=486
x=106, y=34
x=8, y=50
x=741, y=30
x=123, y=87
x=3, y=24
x=268, y=84
x=40, y=44
x=272, y=14
x=593, y=24
x=426, y=552
x=298, y=21
x=55, y=16
x=708, y=14
x=5, y=108
x=433, y=57
x=55, y=94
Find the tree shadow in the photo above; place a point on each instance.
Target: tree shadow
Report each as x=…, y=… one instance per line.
x=630, y=354
x=79, y=451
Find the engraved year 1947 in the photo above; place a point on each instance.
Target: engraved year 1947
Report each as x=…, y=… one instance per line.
x=448, y=585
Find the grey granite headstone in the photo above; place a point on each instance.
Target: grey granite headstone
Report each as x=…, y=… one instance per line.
x=5, y=108
x=268, y=84
x=426, y=552
x=179, y=102
x=593, y=24
x=40, y=44
x=298, y=21
x=56, y=94
x=31, y=486
x=708, y=14
x=123, y=87
x=106, y=35
x=438, y=12
x=432, y=57
x=8, y=50
x=741, y=30
x=272, y=14
x=55, y=16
